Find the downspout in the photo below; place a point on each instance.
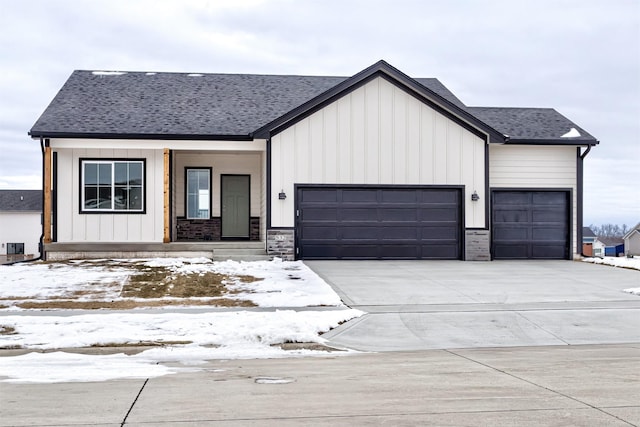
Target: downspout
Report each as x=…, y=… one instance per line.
x=41, y=243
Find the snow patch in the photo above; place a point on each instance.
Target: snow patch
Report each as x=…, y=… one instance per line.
x=573, y=133
x=623, y=262
x=108, y=73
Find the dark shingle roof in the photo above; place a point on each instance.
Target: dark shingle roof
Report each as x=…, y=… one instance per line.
x=21, y=200
x=530, y=124
x=180, y=105
x=588, y=232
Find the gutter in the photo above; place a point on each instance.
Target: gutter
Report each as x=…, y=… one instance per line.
x=583, y=155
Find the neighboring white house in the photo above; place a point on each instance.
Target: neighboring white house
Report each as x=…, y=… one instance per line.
x=20, y=223
x=374, y=166
x=632, y=241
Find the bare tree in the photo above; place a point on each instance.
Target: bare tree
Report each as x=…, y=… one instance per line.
x=609, y=230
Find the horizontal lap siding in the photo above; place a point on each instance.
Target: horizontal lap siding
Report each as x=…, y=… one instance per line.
x=377, y=134
x=519, y=166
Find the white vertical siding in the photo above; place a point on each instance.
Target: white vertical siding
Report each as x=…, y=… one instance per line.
x=377, y=134
x=75, y=227
x=526, y=166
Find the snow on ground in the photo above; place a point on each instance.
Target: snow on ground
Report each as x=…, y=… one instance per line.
x=189, y=337
x=624, y=262
x=282, y=284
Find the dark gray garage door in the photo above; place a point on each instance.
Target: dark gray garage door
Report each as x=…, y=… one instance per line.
x=530, y=224
x=371, y=222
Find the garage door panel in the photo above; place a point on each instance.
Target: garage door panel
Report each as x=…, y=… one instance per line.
x=548, y=251
x=436, y=196
x=358, y=214
x=541, y=234
x=530, y=224
x=512, y=215
x=509, y=233
x=380, y=223
x=319, y=233
x=400, y=233
x=511, y=251
x=511, y=198
x=400, y=215
x=558, y=216
x=398, y=196
x=321, y=214
x=448, y=214
x=439, y=251
x=547, y=198
x=359, y=196
x=440, y=232
x=320, y=195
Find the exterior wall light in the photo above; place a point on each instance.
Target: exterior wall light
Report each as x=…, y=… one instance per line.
x=475, y=197
x=282, y=195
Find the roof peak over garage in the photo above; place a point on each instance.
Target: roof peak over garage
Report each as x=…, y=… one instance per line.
x=179, y=105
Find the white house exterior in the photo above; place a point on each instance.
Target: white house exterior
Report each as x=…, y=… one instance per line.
x=375, y=166
x=632, y=241
x=20, y=224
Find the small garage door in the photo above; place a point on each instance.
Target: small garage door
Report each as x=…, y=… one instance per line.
x=371, y=222
x=530, y=224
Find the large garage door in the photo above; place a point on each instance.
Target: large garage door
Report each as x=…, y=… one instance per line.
x=372, y=222
x=530, y=224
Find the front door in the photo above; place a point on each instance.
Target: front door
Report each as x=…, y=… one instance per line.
x=235, y=206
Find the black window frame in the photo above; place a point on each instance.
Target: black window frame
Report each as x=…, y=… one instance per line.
x=15, y=246
x=111, y=211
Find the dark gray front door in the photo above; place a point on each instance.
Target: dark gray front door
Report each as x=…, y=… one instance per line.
x=235, y=206
x=530, y=224
x=378, y=222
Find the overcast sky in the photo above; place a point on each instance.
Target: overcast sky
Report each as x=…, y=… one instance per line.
x=581, y=57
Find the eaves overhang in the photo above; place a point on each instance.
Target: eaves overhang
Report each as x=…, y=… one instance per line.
x=553, y=141
x=145, y=136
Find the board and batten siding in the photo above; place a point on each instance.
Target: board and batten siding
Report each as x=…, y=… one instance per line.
x=528, y=166
x=377, y=134
x=105, y=227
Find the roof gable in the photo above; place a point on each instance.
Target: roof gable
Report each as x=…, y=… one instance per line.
x=450, y=105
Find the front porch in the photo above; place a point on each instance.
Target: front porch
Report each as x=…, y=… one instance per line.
x=216, y=251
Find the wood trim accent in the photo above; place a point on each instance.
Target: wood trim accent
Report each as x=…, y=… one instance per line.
x=47, y=196
x=166, y=238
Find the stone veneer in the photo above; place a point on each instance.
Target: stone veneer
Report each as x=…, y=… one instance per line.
x=477, y=245
x=281, y=243
x=206, y=230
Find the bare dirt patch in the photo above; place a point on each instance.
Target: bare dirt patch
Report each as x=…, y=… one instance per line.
x=7, y=330
x=145, y=287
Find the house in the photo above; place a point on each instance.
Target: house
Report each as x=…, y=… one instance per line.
x=632, y=241
x=613, y=246
x=591, y=245
x=20, y=224
x=378, y=165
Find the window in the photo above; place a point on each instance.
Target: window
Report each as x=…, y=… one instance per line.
x=112, y=186
x=198, y=193
x=15, y=248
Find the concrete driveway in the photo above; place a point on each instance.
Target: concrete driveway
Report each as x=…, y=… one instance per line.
x=419, y=305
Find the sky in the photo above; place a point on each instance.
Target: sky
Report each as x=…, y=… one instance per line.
x=581, y=57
